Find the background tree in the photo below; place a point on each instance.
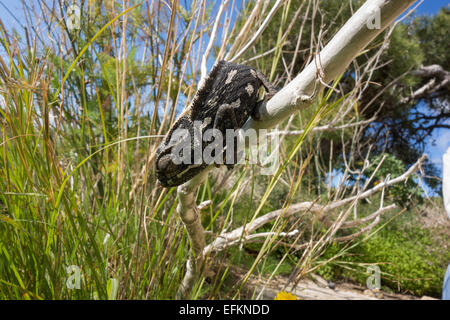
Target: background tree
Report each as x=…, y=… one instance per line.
x=408, y=99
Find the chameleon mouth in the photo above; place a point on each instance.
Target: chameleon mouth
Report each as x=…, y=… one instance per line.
x=170, y=174
x=165, y=167
x=182, y=173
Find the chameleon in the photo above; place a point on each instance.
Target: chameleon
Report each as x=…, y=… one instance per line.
x=227, y=98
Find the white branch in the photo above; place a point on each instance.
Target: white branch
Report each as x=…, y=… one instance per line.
x=351, y=39
x=439, y=79
x=378, y=187
x=228, y=239
x=356, y=223
x=190, y=215
x=327, y=127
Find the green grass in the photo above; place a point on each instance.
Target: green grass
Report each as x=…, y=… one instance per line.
x=65, y=199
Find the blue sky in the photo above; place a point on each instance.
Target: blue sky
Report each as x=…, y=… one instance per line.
x=430, y=7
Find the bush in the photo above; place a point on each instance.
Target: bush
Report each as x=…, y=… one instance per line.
x=409, y=258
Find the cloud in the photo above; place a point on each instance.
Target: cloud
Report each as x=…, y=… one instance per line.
x=443, y=141
x=436, y=151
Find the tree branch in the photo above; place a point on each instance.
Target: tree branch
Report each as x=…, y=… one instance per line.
x=228, y=239
x=439, y=78
x=351, y=39
x=326, y=66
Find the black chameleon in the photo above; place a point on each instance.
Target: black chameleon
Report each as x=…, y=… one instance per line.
x=226, y=100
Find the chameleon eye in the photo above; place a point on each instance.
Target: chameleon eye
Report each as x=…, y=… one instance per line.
x=165, y=164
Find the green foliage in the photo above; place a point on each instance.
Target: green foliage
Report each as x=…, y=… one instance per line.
x=391, y=168
x=411, y=260
x=65, y=195
x=269, y=266
x=405, y=54
x=433, y=34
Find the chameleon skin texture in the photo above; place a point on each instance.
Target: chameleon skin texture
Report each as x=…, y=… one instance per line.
x=226, y=100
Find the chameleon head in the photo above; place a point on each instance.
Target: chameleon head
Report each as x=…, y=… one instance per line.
x=171, y=174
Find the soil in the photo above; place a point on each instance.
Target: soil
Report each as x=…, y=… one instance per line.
x=314, y=288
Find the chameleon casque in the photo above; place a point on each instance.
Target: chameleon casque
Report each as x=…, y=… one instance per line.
x=227, y=98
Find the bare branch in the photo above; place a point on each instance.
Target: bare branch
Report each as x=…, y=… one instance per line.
x=328, y=127
x=439, y=79
x=228, y=239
